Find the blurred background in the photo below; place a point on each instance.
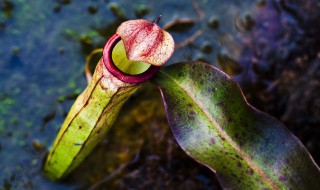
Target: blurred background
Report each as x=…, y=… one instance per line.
x=271, y=47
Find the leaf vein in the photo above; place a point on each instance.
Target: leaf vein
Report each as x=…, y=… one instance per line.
x=224, y=134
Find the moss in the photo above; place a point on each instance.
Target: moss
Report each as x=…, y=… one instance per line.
x=142, y=11
x=14, y=120
x=8, y=101
x=7, y=7
x=117, y=11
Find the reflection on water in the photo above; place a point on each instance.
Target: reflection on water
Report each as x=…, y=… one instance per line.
x=271, y=48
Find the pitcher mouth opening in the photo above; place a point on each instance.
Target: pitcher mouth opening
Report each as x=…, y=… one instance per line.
x=118, y=73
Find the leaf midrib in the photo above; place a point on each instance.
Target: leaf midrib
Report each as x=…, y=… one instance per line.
x=224, y=134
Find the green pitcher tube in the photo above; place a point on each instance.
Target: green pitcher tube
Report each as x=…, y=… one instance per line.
x=115, y=79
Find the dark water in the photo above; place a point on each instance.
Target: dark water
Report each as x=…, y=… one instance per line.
x=271, y=48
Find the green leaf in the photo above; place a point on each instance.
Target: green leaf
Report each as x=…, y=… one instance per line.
x=244, y=147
